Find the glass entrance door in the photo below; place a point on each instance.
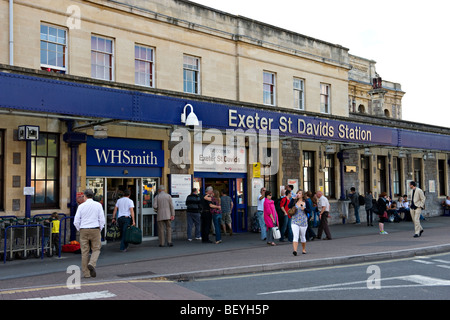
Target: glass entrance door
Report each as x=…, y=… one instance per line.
x=239, y=214
x=236, y=188
x=108, y=190
x=146, y=189
x=98, y=185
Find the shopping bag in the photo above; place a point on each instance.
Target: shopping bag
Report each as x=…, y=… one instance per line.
x=133, y=235
x=276, y=233
x=113, y=232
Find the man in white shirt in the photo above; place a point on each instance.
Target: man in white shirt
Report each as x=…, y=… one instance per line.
x=324, y=207
x=89, y=221
x=125, y=206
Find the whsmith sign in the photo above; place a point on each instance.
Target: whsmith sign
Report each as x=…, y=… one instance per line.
x=97, y=156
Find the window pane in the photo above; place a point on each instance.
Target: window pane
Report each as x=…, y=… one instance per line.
x=52, y=58
x=142, y=53
x=60, y=60
x=101, y=46
x=33, y=148
x=136, y=52
x=52, y=47
x=50, y=198
x=40, y=168
x=41, y=146
x=61, y=36
x=39, y=192
x=108, y=46
x=94, y=43
x=33, y=169
x=51, y=168
x=191, y=63
x=52, y=34
x=44, y=32
x=268, y=78
x=44, y=56
x=52, y=145
x=100, y=73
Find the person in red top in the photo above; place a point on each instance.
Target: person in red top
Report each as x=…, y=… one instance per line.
x=270, y=217
x=284, y=204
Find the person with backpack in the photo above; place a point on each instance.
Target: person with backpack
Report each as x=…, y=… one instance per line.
x=285, y=219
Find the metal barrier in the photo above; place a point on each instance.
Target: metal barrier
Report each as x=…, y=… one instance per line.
x=22, y=242
x=22, y=237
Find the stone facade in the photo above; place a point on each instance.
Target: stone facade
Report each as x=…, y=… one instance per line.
x=234, y=52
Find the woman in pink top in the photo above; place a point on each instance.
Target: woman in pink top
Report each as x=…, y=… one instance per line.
x=270, y=217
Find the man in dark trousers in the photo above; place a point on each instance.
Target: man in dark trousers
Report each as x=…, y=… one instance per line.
x=206, y=216
x=324, y=208
x=193, y=209
x=354, y=201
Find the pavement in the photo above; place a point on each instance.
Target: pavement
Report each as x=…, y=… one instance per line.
x=237, y=254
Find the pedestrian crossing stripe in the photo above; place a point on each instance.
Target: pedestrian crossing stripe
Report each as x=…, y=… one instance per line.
x=78, y=296
x=416, y=280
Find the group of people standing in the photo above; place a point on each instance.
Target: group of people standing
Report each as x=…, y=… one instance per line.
x=386, y=209
x=212, y=208
x=297, y=211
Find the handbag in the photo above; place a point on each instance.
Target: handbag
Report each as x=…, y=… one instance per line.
x=292, y=211
x=133, y=235
x=113, y=232
x=276, y=233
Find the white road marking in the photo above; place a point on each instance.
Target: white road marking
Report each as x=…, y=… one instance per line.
x=441, y=261
x=420, y=281
x=79, y=296
x=424, y=262
x=426, y=281
x=443, y=266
